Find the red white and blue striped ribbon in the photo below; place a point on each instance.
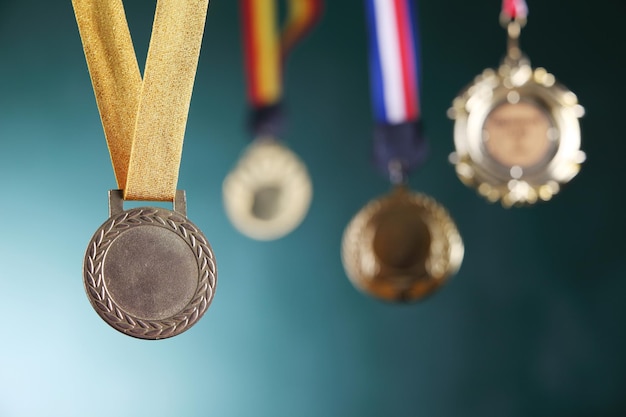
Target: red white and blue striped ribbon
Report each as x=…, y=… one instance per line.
x=514, y=9
x=394, y=61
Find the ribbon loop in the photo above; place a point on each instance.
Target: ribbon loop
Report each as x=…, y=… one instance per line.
x=144, y=120
x=393, y=61
x=394, y=78
x=302, y=18
x=266, y=49
x=165, y=98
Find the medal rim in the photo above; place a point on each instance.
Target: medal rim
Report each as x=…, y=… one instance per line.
x=445, y=254
x=105, y=305
x=477, y=168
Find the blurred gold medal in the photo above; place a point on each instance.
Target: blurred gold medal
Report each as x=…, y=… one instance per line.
x=401, y=247
x=516, y=131
x=269, y=191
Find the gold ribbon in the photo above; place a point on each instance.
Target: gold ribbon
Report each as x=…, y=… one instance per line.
x=144, y=120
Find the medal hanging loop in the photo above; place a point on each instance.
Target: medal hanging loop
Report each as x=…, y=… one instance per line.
x=144, y=120
x=513, y=18
x=399, y=145
x=513, y=50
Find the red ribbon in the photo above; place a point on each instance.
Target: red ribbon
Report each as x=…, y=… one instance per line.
x=514, y=9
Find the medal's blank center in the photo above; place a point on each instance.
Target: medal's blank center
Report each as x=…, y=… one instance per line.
x=517, y=134
x=266, y=202
x=150, y=272
x=401, y=238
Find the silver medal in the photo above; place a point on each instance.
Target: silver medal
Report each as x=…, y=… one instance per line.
x=149, y=272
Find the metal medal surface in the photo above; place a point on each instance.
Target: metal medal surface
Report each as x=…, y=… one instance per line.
x=149, y=272
x=401, y=247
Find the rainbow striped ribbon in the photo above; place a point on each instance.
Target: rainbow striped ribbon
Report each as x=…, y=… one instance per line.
x=266, y=47
x=393, y=61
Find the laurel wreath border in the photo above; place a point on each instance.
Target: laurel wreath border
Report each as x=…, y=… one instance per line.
x=106, y=307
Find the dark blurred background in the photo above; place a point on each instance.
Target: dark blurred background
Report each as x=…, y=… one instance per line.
x=532, y=325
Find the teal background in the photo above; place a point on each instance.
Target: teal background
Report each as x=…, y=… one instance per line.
x=532, y=325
